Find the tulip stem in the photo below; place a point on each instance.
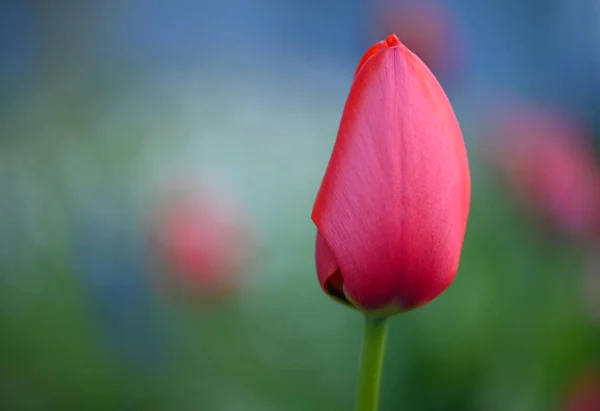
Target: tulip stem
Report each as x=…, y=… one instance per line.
x=371, y=363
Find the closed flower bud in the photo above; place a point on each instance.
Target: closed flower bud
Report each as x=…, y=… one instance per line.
x=392, y=209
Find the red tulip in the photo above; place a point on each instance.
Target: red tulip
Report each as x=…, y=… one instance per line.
x=392, y=209
x=548, y=160
x=204, y=242
x=584, y=394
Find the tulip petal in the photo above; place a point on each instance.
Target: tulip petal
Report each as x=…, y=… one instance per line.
x=394, y=201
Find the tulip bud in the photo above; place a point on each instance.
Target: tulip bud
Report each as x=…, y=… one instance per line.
x=392, y=209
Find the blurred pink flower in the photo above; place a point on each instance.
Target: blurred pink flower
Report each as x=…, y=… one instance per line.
x=549, y=162
x=204, y=241
x=584, y=394
x=426, y=28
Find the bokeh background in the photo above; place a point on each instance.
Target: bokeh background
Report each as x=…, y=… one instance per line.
x=158, y=166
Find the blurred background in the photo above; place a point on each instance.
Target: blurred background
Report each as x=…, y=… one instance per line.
x=158, y=166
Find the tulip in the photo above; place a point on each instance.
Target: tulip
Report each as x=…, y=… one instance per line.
x=204, y=241
x=547, y=159
x=392, y=209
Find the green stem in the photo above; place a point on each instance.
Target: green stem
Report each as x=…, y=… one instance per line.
x=371, y=363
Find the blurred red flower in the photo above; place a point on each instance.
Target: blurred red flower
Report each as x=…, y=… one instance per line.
x=392, y=209
x=549, y=162
x=204, y=241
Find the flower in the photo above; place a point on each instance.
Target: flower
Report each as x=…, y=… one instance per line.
x=392, y=209
x=547, y=159
x=204, y=242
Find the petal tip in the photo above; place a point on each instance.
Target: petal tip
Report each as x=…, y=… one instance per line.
x=392, y=41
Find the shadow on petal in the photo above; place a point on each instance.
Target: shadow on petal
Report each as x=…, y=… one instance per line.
x=334, y=286
x=328, y=271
